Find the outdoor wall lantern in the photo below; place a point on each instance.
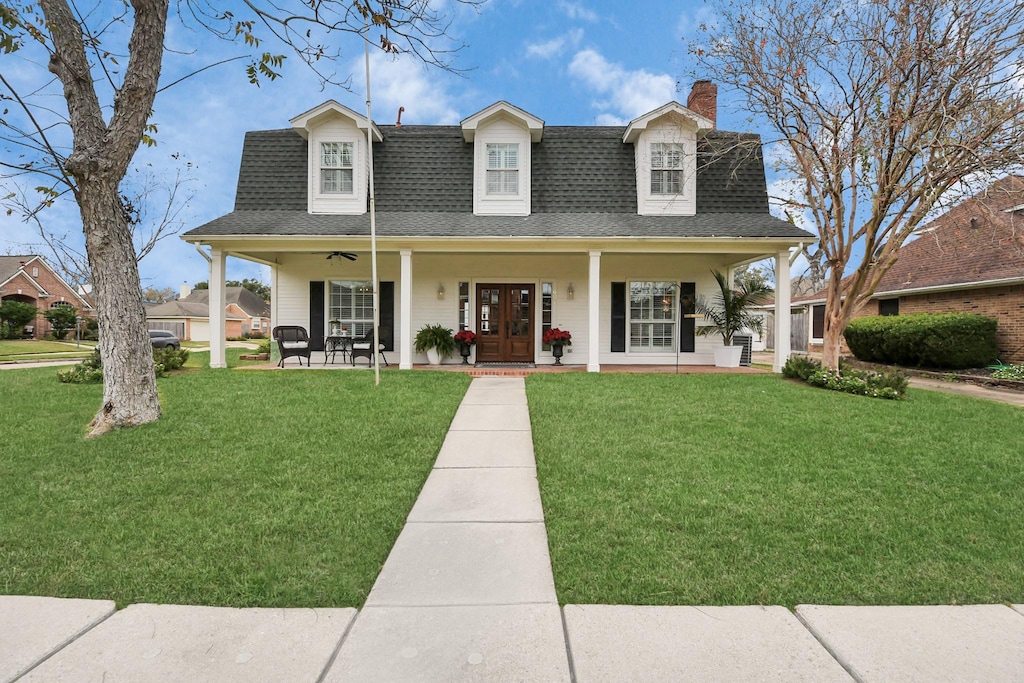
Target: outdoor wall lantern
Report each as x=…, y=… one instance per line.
x=440, y=290
x=570, y=292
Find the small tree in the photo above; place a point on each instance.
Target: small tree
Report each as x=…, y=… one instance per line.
x=62, y=319
x=729, y=312
x=884, y=111
x=14, y=315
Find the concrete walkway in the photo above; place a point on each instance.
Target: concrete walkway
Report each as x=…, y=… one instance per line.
x=467, y=594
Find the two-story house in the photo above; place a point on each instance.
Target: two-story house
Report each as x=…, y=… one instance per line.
x=505, y=226
x=31, y=280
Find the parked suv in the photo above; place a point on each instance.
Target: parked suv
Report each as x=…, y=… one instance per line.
x=162, y=338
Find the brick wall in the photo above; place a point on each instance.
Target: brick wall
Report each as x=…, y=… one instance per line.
x=1005, y=304
x=53, y=285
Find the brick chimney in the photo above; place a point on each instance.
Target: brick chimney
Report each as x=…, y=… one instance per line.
x=703, y=99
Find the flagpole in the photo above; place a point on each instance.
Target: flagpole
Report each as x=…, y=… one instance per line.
x=373, y=217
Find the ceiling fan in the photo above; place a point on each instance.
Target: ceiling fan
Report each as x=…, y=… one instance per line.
x=343, y=254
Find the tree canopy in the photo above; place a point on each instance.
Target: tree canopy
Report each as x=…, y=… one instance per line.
x=883, y=112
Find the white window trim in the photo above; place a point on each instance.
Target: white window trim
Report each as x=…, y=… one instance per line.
x=340, y=167
x=502, y=168
x=674, y=321
x=348, y=323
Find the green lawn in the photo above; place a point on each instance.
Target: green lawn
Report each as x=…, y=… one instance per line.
x=254, y=488
x=27, y=349
x=738, y=489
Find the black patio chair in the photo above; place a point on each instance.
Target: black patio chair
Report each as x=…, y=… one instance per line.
x=292, y=340
x=362, y=347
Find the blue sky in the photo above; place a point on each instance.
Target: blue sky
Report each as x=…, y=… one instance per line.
x=582, y=62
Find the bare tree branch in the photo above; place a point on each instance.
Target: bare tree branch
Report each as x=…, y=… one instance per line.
x=887, y=109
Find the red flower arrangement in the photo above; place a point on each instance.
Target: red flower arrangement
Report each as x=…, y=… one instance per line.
x=557, y=336
x=465, y=337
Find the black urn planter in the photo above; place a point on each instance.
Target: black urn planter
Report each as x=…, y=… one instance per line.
x=556, y=351
x=465, y=350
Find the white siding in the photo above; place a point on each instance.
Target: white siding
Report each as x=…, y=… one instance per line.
x=667, y=129
x=432, y=269
x=338, y=129
x=501, y=130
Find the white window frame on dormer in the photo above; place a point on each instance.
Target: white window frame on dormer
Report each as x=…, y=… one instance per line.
x=667, y=168
x=502, y=166
x=340, y=159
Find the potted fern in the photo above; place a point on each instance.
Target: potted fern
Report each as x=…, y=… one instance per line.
x=436, y=341
x=729, y=313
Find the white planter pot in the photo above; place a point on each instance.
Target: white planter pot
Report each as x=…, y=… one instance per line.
x=728, y=356
x=433, y=357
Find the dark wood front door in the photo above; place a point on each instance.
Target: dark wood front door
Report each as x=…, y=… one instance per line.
x=504, y=316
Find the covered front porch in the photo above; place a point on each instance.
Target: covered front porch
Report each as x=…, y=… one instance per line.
x=627, y=302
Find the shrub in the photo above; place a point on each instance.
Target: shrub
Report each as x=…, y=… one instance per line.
x=861, y=383
x=88, y=371
x=946, y=340
x=800, y=367
x=170, y=359
x=264, y=346
x=1009, y=372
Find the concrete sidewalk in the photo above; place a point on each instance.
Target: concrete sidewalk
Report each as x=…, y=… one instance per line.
x=467, y=594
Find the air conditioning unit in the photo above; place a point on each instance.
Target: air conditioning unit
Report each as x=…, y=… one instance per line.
x=747, y=342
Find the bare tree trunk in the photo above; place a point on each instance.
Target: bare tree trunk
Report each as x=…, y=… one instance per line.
x=98, y=163
x=129, y=383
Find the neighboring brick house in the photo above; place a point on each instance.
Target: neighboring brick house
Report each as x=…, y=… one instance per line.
x=189, y=315
x=31, y=280
x=970, y=260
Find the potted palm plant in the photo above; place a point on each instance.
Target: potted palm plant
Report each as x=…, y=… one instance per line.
x=729, y=313
x=436, y=341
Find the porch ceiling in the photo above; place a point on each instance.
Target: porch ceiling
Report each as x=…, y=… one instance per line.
x=270, y=249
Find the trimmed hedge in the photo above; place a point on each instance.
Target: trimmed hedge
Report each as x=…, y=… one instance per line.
x=945, y=340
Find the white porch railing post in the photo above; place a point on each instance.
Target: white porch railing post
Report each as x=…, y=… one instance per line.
x=782, y=310
x=218, y=306
x=405, y=303
x=594, y=319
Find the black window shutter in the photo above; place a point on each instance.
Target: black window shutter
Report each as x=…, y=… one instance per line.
x=687, y=326
x=818, y=321
x=316, y=315
x=387, y=315
x=618, y=316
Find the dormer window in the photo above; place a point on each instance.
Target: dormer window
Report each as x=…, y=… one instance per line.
x=337, y=153
x=502, y=169
x=336, y=168
x=666, y=168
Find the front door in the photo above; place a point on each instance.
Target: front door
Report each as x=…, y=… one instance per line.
x=504, y=316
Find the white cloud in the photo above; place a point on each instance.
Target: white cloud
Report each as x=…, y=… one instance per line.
x=555, y=46
x=626, y=94
x=575, y=10
x=403, y=82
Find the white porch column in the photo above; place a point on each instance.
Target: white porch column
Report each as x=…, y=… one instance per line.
x=405, y=304
x=782, y=309
x=274, y=312
x=218, y=304
x=594, y=320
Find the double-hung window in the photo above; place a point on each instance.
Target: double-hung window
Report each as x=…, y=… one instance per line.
x=351, y=304
x=652, y=316
x=666, y=168
x=336, y=167
x=502, y=168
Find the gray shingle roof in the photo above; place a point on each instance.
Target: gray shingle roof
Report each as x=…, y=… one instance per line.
x=583, y=185
x=438, y=224
x=240, y=296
